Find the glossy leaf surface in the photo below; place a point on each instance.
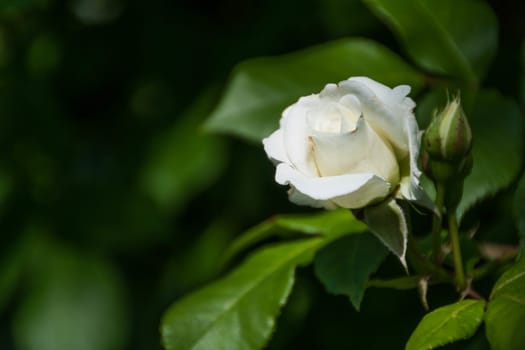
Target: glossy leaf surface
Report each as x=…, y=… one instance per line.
x=260, y=89
x=447, y=324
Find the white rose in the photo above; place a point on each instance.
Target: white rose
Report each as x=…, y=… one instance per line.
x=353, y=145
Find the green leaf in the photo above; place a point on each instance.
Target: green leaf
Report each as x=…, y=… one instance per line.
x=334, y=16
x=447, y=324
x=345, y=265
x=506, y=310
x=388, y=222
x=522, y=75
x=202, y=255
x=260, y=89
x=43, y=56
x=255, y=291
x=477, y=342
x=497, y=129
x=401, y=283
x=75, y=302
x=11, y=268
x=238, y=311
x=15, y=8
x=183, y=160
x=519, y=209
x=328, y=223
x=451, y=37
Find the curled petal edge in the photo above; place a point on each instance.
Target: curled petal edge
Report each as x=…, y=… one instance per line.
x=348, y=191
x=409, y=187
x=275, y=148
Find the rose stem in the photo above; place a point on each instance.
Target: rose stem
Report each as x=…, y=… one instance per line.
x=424, y=266
x=436, y=223
x=456, y=250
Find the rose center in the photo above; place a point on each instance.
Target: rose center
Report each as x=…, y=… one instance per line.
x=335, y=117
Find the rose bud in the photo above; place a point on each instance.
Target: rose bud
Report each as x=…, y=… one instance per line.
x=447, y=143
x=448, y=137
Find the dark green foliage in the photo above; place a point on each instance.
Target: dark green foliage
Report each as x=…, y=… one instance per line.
x=117, y=198
x=345, y=266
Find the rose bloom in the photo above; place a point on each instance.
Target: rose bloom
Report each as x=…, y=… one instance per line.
x=352, y=145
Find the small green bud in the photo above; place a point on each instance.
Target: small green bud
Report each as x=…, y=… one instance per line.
x=466, y=165
x=448, y=137
x=425, y=163
x=439, y=170
x=432, y=138
x=446, y=156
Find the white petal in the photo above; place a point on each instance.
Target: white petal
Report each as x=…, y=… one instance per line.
x=391, y=111
x=385, y=109
x=410, y=188
x=359, y=151
x=383, y=92
x=330, y=90
x=401, y=92
x=348, y=191
x=408, y=185
x=302, y=199
x=351, y=102
x=296, y=133
x=274, y=146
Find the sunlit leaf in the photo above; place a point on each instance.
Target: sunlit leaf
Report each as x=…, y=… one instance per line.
x=447, y=324
x=477, y=342
x=457, y=38
x=506, y=310
x=328, y=223
x=345, y=265
x=261, y=88
x=239, y=310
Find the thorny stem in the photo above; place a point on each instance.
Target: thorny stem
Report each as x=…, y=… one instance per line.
x=456, y=250
x=436, y=223
x=469, y=291
x=484, y=269
x=423, y=265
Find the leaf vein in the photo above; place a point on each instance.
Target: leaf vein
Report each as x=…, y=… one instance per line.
x=248, y=290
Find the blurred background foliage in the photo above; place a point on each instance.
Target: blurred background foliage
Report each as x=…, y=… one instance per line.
x=114, y=201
